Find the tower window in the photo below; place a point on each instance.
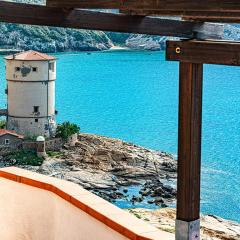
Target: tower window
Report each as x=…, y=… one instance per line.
x=51, y=66
x=35, y=69
x=36, y=109
x=36, y=120
x=17, y=69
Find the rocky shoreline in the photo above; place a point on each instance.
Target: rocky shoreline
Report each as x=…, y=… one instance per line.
x=212, y=227
x=109, y=166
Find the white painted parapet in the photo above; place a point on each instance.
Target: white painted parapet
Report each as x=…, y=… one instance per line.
x=38, y=207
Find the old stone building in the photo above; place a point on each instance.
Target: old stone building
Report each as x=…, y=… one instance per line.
x=31, y=93
x=10, y=139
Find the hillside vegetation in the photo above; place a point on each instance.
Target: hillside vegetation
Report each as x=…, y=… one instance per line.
x=51, y=39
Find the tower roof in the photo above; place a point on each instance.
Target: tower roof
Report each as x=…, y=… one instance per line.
x=30, y=56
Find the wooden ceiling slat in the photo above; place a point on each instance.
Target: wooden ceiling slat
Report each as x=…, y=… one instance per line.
x=209, y=52
x=81, y=19
x=204, y=10
x=172, y=5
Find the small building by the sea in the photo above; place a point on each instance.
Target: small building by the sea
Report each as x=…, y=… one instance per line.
x=30, y=93
x=10, y=139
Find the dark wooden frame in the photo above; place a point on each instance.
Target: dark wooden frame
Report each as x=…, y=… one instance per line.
x=189, y=141
x=192, y=55
x=208, y=10
x=167, y=5
x=209, y=52
x=82, y=19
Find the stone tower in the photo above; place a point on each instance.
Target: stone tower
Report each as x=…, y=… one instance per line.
x=31, y=93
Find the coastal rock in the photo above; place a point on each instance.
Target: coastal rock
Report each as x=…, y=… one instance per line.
x=145, y=192
x=137, y=199
x=212, y=227
x=146, y=42
x=106, y=164
x=91, y=164
x=151, y=201
x=125, y=190
x=159, y=200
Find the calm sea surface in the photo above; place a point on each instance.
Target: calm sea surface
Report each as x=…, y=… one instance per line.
x=134, y=96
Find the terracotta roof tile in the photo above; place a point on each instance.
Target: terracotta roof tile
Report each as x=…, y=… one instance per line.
x=30, y=56
x=5, y=131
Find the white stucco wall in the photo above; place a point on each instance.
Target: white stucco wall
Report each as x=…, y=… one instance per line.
x=28, y=90
x=41, y=74
x=23, y=96
x=28, y=213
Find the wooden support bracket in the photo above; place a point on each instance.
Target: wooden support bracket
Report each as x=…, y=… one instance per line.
x=209, y=52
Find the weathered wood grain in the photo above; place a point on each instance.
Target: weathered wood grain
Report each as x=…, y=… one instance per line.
x=82, y=19
x=204, y=10
x=202, y=16
x=209, y=52
x=173, y=5
x=189, y=141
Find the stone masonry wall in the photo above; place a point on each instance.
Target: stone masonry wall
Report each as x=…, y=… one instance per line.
x=51, y=145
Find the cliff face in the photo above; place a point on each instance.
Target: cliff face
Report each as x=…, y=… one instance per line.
x=50, y=39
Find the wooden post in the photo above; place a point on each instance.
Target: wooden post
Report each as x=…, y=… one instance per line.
x=189, y=151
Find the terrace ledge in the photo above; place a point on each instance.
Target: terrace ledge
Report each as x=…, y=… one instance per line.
x=115, y=218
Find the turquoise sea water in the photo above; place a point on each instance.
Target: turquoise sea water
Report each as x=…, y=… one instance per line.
x=134, y=96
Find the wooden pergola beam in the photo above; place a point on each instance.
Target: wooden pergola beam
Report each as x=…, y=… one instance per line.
x=172, y=5
x=228, y=17
x=202, y=16
x=86, y=4
x=209, y=52
x=204, y=10
x=82, y=19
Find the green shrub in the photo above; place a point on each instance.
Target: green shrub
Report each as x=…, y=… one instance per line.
x=2, y=124
x=66, y=129
x=25, y=158
x=54, y=154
